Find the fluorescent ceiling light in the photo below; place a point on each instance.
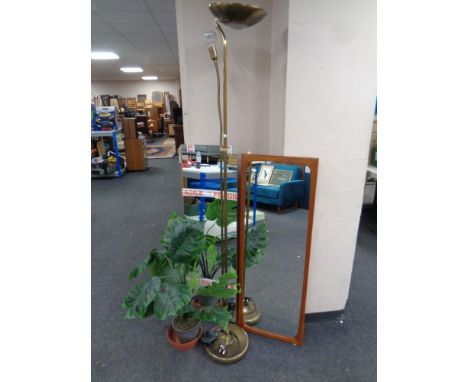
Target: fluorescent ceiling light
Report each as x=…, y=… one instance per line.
x=104, y=56
x=149, y=78
x=131, y=70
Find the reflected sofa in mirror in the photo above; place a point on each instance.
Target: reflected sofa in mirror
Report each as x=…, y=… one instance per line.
x=276, y=194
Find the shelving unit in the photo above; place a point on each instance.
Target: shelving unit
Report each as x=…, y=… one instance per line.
x=112, y=134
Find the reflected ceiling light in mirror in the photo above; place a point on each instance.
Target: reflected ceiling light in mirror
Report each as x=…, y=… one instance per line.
x=131, y=70
x=149, y=78
x=104, y=56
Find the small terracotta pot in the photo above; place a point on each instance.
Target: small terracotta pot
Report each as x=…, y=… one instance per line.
x=186, y=335
x=175, y=342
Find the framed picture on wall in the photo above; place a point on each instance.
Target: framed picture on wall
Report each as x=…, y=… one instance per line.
x=265, y=174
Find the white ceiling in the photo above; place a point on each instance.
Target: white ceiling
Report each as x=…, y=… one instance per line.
x=142, y=32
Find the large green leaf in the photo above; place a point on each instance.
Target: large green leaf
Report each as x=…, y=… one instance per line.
x=140, y=297
x=213, y=212
x=211, y=257
x=232, y=257
x=217, y=315
x=170, y=299
x=193, y=281
x=158, y=265
x=184, y=239
x=220, y=288
x=257, y=240
x=189, y=310
x=155, y=262
x=176, y=275
x=140, y=267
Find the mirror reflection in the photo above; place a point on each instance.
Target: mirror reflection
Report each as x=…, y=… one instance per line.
x=277, y=197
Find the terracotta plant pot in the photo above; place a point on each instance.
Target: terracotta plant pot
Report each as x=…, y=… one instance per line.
x=186, y=335
x=175, y=342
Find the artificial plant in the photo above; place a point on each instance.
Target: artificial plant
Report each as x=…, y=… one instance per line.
x=175, y=273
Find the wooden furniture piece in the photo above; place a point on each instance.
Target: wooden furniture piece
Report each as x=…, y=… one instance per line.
x=134, y=154
x=129, y=128
x=167, y=122
x=131, y=103
x=154, y=122
x=247, y=161
x=143, y=126
x=148, y=104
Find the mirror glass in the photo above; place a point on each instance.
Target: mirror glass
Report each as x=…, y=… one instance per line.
x=277, y=203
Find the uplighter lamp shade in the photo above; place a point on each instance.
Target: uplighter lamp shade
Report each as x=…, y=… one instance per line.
x=237, y=15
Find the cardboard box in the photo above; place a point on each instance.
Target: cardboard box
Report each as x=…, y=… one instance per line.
x=100, y=148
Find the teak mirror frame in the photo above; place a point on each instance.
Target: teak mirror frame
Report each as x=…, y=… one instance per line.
x=312, y=163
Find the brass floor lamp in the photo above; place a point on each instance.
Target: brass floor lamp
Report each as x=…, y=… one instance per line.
x=232, y=345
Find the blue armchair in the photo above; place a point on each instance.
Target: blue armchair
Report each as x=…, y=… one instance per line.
x=287, y=193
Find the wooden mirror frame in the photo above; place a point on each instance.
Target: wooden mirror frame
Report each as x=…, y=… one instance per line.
x=312, y=163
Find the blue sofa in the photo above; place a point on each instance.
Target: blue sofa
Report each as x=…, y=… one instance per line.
x=287, y=193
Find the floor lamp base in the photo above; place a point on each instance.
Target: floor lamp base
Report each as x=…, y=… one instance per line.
x=229, y=347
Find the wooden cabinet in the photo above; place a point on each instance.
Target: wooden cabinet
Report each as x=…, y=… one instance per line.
x=135, y=155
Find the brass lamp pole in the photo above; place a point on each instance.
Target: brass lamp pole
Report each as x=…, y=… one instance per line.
x=232, y=345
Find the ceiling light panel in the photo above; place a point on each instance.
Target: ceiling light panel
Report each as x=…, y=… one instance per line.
x=131, y=69
x=104, y=56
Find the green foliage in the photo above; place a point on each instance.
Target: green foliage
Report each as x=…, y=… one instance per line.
x=193, y=281
x=140, y=297
x=140, y=267
x=159, y=264
x=183, y=239
x=170, y=299
x=257, y=240
x=217, y=315
x=175, y=270
x=213, y=212
x=211, y=257
x=223, y=287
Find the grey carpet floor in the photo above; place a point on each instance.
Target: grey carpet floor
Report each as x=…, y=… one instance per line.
x=128, y=216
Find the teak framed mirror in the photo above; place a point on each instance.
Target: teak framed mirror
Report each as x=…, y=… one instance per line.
x=276, y=198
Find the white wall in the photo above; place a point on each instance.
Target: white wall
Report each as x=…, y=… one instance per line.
x=248, y=79
x=133, y=88
x=330, y=94
x=278, y=63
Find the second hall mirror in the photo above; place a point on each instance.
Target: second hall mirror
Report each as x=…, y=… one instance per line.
x=275, y=217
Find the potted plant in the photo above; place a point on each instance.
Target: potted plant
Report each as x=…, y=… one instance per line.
x=174, y=281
